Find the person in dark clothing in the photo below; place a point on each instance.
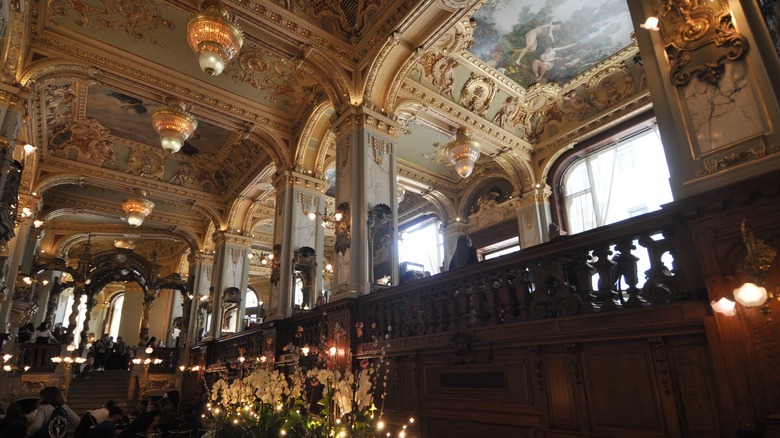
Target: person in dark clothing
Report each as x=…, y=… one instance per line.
x=152, y=342
x=42, y=334
x=14, y=424
x=146, y=421
x=465, y=254
x=107, y=427
x=25, y=333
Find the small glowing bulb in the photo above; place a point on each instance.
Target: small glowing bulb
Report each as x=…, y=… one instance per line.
x=333, y=351
x=149, y=350
x=338, y=216
x=27, y=368
x=305, y=350
x=28, y=148
x=71, y=348
x=312, y=215
x=411, y=420
x=7, y=367
x=380, y=425
x=182, y=368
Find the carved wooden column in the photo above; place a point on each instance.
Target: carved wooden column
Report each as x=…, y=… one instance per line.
x=366, y=175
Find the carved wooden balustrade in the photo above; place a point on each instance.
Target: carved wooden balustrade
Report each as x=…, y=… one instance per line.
x=38, y=357
x=591, y=272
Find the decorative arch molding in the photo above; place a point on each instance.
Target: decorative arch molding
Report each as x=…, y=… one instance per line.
x=55, y=264
x=337, y=84
x=120, y=265
x=552, y=160
x=48, y=70
x=240, y=213
x=207, y=245
x=442, y=205
x=321, y=162
x=270, y=141
x=485, y=180
x=518, y=171
x=214, y=216
x=308, y=132
x=63, y=246
x=58, y=179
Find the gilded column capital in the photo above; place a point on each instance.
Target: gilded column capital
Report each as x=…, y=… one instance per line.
x=200, y=258
x=303, y=181
x=227, y=237
x=454, y=228
x=355, y=117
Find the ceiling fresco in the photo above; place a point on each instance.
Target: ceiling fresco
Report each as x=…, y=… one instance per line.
x=551, y=41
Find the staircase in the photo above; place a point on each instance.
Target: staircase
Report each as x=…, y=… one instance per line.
x=90, y=393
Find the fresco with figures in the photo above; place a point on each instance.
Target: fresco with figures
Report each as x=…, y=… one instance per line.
x=533, y=41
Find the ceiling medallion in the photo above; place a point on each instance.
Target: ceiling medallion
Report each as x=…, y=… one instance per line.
x=463, y=152
x=215, y=36
x=137, y=207
x=174, y=124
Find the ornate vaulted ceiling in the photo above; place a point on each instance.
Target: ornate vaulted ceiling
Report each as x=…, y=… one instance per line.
x=96, y=69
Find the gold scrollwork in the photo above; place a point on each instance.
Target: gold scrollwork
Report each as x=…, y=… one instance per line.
x=699, y=37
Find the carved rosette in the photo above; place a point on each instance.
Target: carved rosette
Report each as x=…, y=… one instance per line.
x=477, y=94
x=699, y=37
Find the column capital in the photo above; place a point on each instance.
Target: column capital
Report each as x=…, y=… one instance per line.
x=199, y=257
x=300, y=181
x=454, y=228
x=225, y=237
x=363, y=116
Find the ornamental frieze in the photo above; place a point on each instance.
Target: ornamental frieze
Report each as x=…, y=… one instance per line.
x=139, y=19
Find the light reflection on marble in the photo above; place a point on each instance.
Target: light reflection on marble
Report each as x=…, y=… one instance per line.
x=724, y=114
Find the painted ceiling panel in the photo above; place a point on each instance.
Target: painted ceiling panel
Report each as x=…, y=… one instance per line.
x=552, y=41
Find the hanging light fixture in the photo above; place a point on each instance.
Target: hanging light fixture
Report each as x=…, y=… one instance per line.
x=463, y=152
x=174, y=124
x=137, y=208
x=215, y=36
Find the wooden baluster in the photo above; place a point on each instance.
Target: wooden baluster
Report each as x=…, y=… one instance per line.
x=442, y=309
x=459, y=303
x=605, y=267
x=507, y=299
x=481, y=288
x=583, y=274
x=660, y=282
x=522, y=289
x=626, y=268
x=426, y=311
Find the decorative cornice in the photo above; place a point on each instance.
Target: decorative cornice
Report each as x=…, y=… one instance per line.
x=456, y=113
x=299, y=181
x=357, y=117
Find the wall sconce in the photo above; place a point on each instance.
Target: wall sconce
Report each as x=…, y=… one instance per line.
x=757, y=263
x=343, y=230
x=309, y=205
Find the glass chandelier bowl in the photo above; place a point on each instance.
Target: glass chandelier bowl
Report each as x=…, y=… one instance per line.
x=463, y=152
x=750, y=295
x=214, y=36
x=136, y=208
x=174, y=124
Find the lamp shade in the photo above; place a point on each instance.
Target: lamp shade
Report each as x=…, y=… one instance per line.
x=136, y=209
x=174, y=124
x=463, y=152
x=215, y=36
x=724, y=306
x=750, y=295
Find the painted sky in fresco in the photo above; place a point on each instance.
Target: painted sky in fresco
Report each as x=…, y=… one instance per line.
x=533, y=41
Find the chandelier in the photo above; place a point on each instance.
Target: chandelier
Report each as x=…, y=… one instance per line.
x=136, y=208
x=215, y=36
x=463, y=152
x=174, y=124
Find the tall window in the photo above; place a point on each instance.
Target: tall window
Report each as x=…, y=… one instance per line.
x=617, y=182
x=116, y=314
x=422, y=244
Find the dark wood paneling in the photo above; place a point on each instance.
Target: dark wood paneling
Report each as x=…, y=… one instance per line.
x=445, y=428
x=621, y=390
x=560, y=393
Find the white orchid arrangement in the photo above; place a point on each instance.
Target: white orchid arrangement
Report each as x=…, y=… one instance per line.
x=257, y=400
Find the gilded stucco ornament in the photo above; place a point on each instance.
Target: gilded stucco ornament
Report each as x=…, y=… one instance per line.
x=147, y=164
x=699, y=37
x=477, y=94
x=610, y=86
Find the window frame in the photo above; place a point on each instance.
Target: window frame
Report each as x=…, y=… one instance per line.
x=584, y=148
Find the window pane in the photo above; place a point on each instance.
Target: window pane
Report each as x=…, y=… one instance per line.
x=623, y=180
x=423, y=246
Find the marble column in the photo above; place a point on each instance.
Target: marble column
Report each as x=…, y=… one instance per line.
x=297, y=194
x=533, y=215
x=365, y=179
x=199, y=281
x=231, y=269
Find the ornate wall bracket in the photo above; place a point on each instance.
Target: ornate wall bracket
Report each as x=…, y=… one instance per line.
x=699, y=37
